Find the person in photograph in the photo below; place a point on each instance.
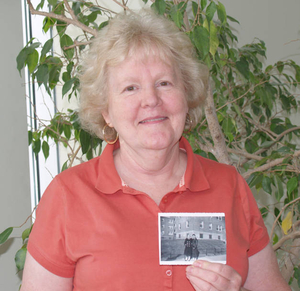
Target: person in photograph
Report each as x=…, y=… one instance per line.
x=194, y=245
x=187, y=248
x=96, y=226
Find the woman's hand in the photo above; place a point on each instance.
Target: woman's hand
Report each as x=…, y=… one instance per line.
x=207, y=276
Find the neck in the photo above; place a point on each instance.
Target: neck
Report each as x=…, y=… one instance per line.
x=154, y=172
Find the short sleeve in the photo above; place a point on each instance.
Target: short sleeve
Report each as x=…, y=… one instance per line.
x=47, y=241
x=258, y=234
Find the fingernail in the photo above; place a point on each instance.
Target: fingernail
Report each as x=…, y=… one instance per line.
x=189, y=269
x=198, y=264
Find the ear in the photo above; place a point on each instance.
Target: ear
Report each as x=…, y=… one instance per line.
x=106, y=117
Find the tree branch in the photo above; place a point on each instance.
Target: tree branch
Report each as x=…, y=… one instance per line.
x=62, y=18
x=292, y=235
x=70, y=10
x=217, y=135
x=278, y=138
x=244, y=154
x=290, y=261
x=269, y=165
x=280, y=213
x=242, y=96
x=122, y=5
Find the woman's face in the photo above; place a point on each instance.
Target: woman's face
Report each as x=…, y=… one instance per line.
x=146, y=103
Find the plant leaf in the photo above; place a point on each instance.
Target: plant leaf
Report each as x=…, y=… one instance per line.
x=47, y=47
x=26, y=232
x=201, y=38
x=29, y=137
x=287, y=222
x=66, y=41
x=84, y=141
x=159, y=6
x=221, y=13
x=42, y=75
x=279, y=188
x=243, y=66
x=64, y=166
x=275, y=239
x=67, y=131
x=20, y=258
x=203, y=4
x=176, y=16
x=210, y=11
x=214, y=41
x=21, y=59
x=291, y=185
x=32, y=60
x=4, y=235
x=266, y=184
x=297, y=275
x=194, y=8
x=45, y=148
x=52, y=2
x=67, y=86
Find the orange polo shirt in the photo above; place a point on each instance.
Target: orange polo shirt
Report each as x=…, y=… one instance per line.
x=92, y=227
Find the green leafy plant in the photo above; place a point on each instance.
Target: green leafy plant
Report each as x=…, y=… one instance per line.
x=246, y=119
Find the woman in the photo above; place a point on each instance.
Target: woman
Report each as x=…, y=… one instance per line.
x=194, y=245
x=187, y=248
x=141, y=86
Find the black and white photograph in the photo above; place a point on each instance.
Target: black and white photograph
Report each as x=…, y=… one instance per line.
x=186, y=237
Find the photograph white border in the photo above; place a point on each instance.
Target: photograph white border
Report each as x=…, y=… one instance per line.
x=181, y=259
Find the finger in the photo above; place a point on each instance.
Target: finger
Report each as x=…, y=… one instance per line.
x=200, y=284
x=220, y=276
x=206, y=280
x=222, y=269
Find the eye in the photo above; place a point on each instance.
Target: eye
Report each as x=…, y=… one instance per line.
x=164, y=83
x=130, y=88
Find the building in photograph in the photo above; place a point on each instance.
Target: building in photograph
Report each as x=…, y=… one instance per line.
x=204, y=227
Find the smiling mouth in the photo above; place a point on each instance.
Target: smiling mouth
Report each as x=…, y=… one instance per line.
x=153, y=120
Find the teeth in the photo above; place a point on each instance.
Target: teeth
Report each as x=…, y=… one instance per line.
x=150, y=120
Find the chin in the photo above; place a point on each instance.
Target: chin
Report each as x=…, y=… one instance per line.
x=159, y=144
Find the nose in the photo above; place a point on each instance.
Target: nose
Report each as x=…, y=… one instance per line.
x=150, y=97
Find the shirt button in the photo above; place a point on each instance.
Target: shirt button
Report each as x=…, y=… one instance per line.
x=169, y=273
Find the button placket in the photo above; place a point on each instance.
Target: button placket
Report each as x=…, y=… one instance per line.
x=169, y=273
x=168, y=282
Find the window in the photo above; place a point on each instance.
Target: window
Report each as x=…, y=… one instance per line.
x=41, y=171
x=202, y=224
x=179, y=226
x=210, y=226
x=210, y=236
x=201, y=235
x=187, y=224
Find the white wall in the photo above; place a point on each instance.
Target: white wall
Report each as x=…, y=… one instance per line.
x=14, y=176
x=274, y=21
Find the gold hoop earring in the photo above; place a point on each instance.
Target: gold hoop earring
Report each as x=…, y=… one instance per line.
x=188, y=123
x=113, y=132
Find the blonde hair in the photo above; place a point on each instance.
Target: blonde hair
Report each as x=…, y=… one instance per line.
x=121, y=38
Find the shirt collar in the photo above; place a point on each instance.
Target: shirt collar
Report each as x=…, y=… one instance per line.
x=109, y=182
